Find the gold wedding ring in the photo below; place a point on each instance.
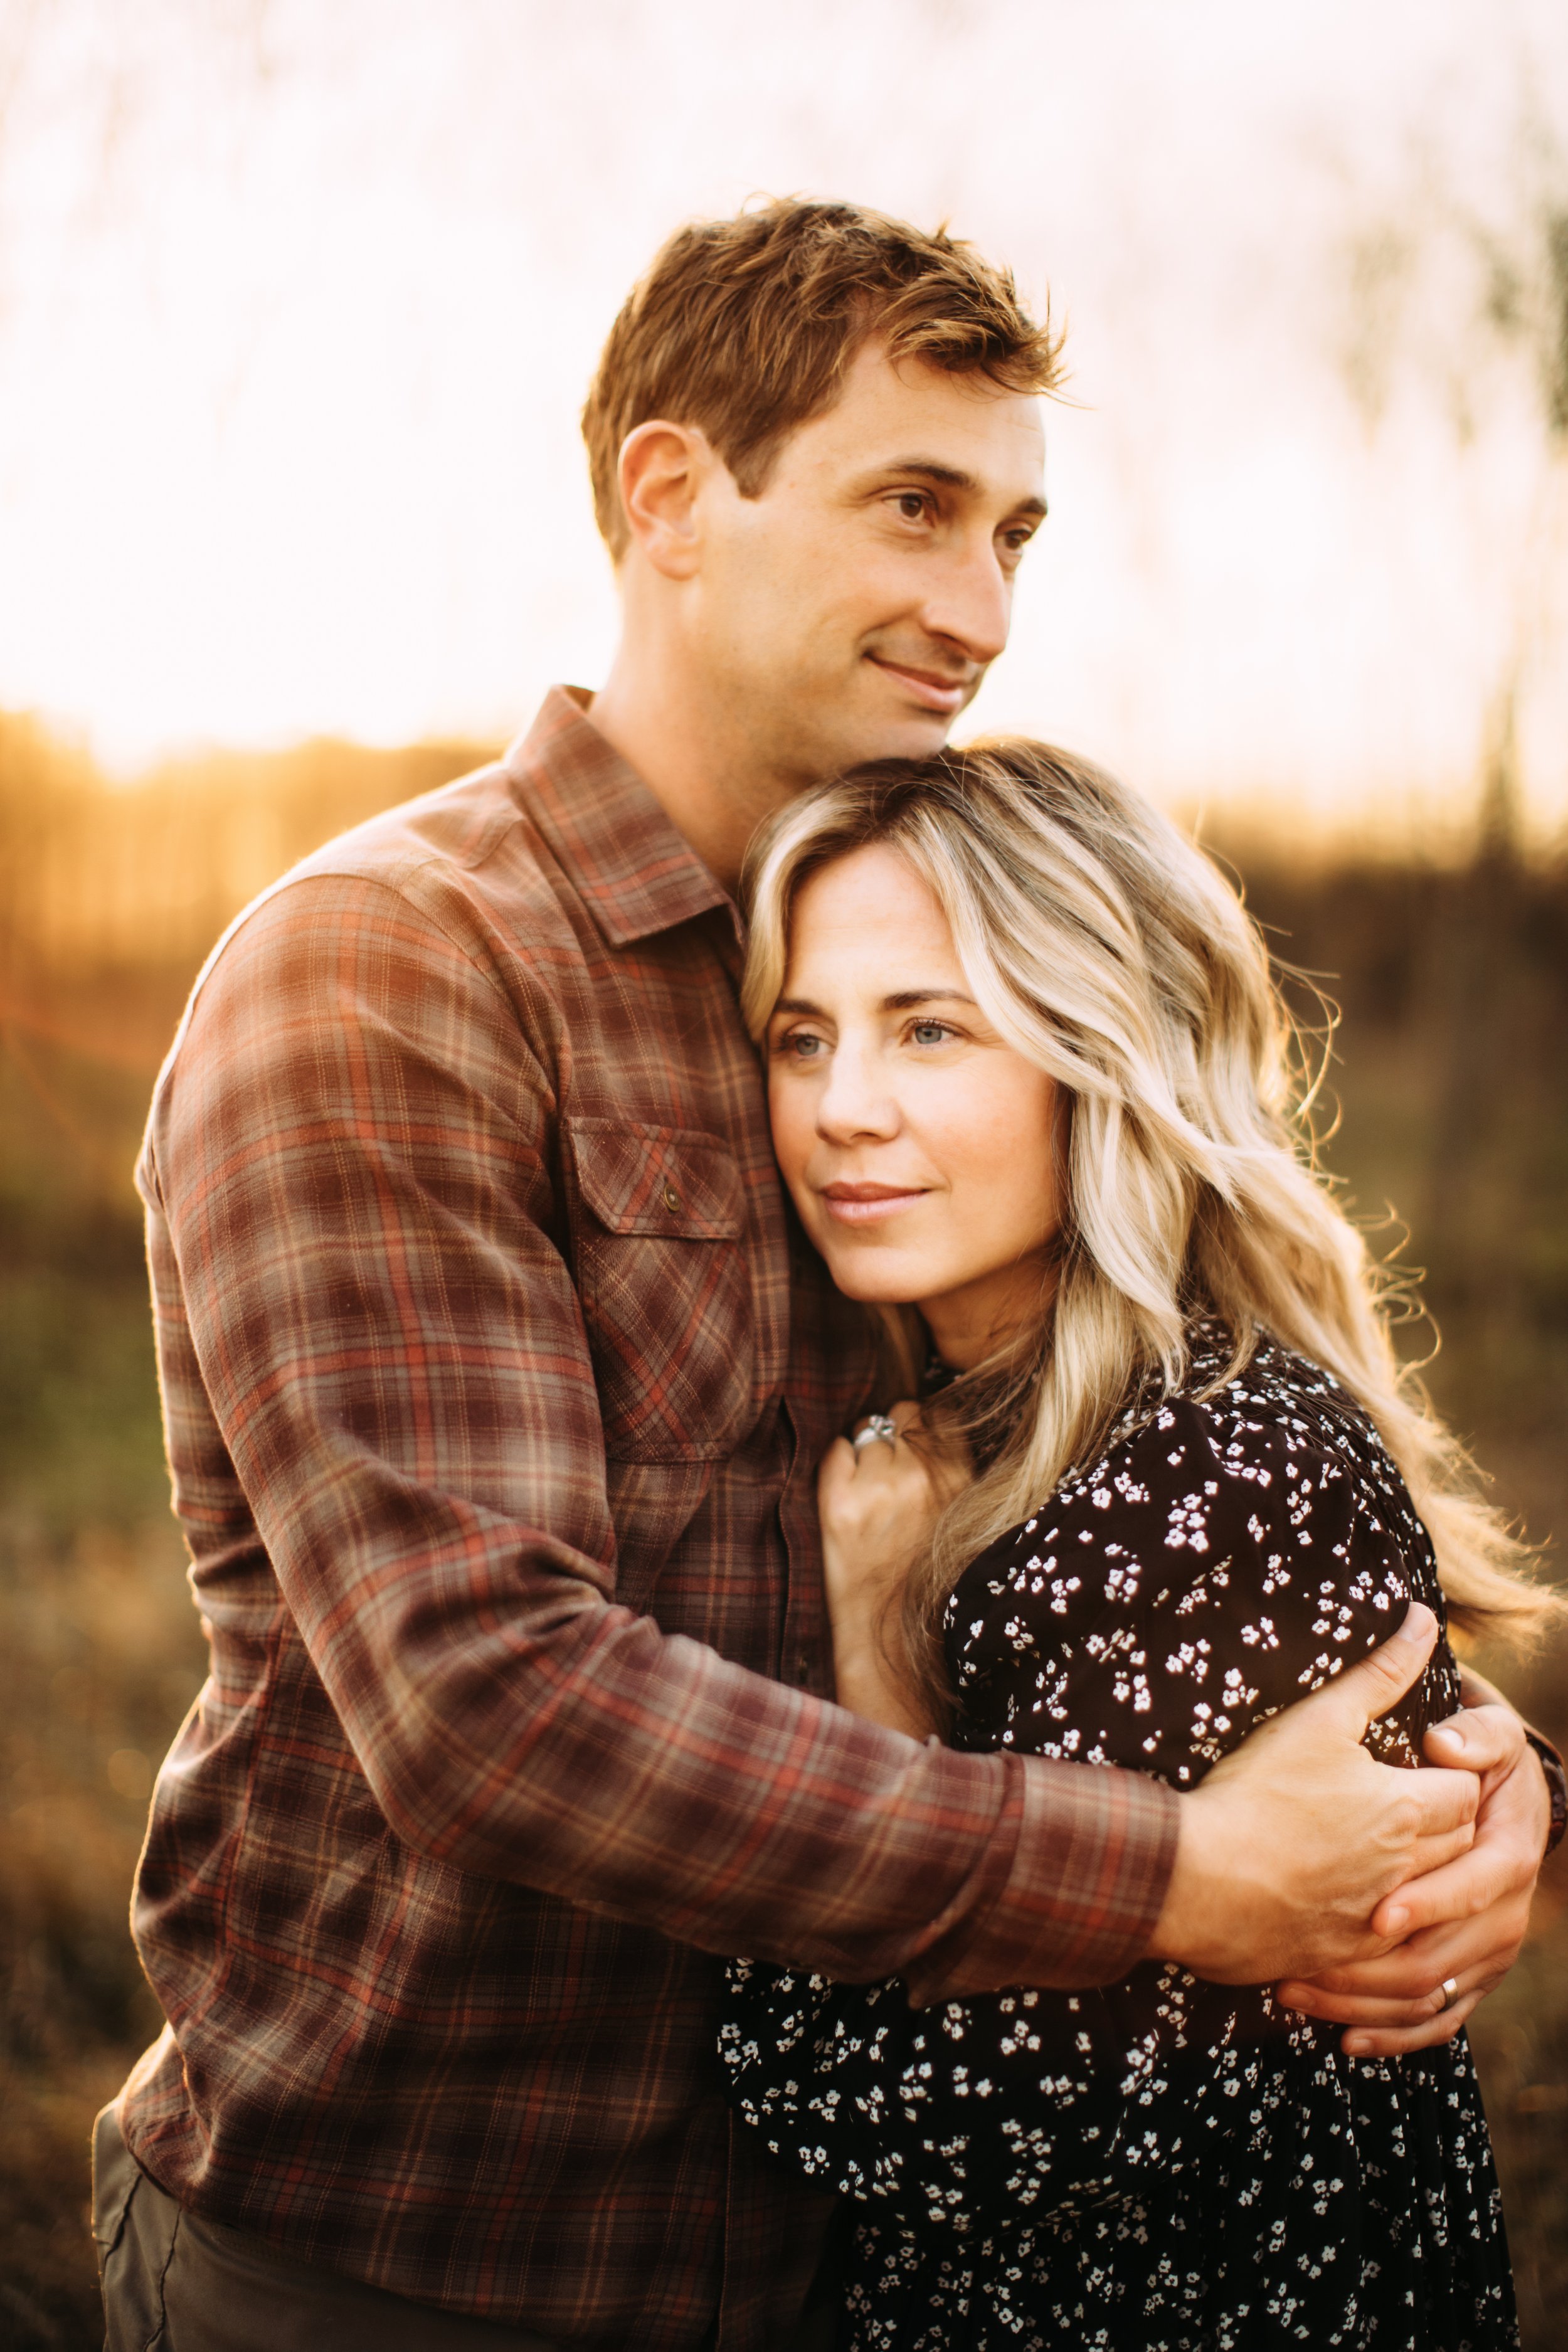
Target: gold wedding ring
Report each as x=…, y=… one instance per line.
x=879, y=1430
x=1450, y=1992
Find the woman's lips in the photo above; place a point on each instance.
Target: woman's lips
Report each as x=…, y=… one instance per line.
x=936, y=693
x=867, y=1204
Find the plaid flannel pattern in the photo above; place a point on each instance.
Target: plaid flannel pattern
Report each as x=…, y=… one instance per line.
x=495, y=1376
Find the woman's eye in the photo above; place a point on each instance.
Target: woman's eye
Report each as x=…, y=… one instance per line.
x=930, y=1033
x=799, y=1048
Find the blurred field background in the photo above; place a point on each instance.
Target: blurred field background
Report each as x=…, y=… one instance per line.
x=1452, y=1081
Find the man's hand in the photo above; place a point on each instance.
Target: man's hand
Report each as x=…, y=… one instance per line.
x=1462, y=1924
x=1293, y=1842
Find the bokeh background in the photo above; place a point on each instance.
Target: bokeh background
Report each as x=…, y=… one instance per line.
x=298, y=302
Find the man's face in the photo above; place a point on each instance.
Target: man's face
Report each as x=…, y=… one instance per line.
x=851, y=612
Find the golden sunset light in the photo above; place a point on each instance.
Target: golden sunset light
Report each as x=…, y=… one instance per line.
x=298, y=304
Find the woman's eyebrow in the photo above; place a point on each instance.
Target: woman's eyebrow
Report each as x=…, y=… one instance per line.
x=903, y=1001
x=907, y=998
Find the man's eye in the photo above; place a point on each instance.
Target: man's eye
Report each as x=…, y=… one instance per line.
x=913, y=505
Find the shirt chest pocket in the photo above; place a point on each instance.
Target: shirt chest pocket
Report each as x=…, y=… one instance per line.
x=658, y=1220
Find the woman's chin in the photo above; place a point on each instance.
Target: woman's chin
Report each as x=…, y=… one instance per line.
x=859, y=1277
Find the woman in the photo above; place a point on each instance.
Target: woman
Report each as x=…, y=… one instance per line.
x=1031, y=1092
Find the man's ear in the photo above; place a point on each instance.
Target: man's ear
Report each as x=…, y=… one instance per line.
x=662, y=470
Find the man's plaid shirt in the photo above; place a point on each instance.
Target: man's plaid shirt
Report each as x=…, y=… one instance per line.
x=495, y=1379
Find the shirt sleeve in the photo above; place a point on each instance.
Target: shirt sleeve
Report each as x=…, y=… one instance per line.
x=365, y=1310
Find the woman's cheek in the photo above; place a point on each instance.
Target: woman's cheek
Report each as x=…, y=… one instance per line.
x=1000, y=1153
x=789, y=1113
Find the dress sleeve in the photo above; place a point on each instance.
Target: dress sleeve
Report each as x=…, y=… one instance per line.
x=1215, y=1569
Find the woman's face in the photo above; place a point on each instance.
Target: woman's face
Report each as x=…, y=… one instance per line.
x=918, y=1146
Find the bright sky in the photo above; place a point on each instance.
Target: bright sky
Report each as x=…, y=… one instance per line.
x=298, y=302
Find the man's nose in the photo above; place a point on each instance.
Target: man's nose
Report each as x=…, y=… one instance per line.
x=972, y=603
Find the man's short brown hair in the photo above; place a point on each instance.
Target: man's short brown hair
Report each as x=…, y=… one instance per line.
x=743, y=328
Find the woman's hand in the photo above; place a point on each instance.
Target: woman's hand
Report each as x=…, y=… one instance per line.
x=879, y=1503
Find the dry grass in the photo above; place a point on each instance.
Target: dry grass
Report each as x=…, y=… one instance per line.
x=100, y=1657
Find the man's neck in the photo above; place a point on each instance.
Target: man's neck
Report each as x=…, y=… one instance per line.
x=706, y=778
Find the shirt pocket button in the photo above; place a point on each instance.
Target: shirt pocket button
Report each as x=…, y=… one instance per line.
x=671, y=1197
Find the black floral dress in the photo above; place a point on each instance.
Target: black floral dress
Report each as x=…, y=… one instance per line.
x=1162, y=2164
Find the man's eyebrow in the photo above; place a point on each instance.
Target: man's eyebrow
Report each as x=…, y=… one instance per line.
x=944, y=477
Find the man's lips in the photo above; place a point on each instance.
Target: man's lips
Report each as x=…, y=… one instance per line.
x=867, y=1204
x=928, y=686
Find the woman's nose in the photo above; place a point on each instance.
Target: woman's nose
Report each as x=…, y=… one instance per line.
x=856, y=1100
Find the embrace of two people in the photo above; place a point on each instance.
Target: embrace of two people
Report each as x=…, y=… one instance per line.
x=829, y=1720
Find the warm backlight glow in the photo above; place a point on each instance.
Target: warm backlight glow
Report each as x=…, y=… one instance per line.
x=297, y=307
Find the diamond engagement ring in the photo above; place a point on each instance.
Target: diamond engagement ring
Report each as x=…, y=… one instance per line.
x=878, y=1430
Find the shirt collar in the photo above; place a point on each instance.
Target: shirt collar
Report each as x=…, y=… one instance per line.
x=634, y=869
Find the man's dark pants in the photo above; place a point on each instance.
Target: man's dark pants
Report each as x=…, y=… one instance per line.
x=173, y=2283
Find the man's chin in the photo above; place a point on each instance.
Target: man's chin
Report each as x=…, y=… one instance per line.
x=907, y=734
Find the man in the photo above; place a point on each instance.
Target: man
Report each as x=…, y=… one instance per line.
x=495, y=1380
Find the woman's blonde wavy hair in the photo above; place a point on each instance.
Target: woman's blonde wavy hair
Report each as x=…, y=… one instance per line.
x=1113, y=955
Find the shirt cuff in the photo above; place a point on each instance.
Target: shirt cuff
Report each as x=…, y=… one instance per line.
x=1557, y=1784
x=1091, y=1864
